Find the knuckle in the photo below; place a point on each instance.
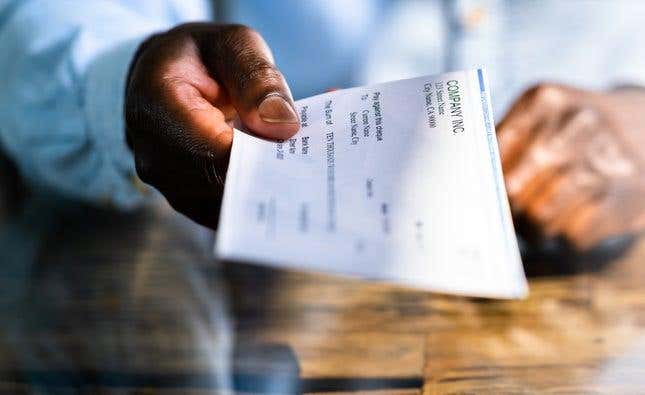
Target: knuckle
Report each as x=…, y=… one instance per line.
x=547, y=93
x=168, y=88
x=584, y=117
x=258, y=70
x=232, y=39
x=238, y=31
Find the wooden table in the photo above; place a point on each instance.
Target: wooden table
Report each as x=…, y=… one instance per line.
x=99, y=302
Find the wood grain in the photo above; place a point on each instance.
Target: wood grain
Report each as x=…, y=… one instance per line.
x=101, y=302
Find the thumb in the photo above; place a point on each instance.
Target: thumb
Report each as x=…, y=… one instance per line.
x=241, y=61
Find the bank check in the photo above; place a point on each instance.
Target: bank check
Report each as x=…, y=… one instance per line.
x=398, y=182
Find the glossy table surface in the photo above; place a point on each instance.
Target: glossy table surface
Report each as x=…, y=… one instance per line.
x=94, y=301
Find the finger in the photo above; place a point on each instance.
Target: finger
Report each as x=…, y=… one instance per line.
x=553, y=208
x=548, y=202
x=179, y=100
x=208, y=127
x=610, y=214
x=580, y=229
x=536, y=106
x=598, y=181
x=177, y=125
x=194, y=140
x=533, y=170
x=550, y=153
x=591, y=225
x=617, y=212
x=241, y=61
x=607, y=156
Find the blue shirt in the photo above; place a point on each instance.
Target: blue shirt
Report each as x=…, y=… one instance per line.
x=64, y=63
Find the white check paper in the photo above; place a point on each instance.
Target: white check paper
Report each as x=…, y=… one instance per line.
x=398, y=182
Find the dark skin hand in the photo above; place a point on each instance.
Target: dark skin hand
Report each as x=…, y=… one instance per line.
x=574, y=162
x=186, y=89
x=573, y=159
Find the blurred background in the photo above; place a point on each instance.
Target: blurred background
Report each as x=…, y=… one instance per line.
x=106, y=289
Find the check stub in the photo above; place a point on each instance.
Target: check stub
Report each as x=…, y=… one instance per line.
x=399, y=182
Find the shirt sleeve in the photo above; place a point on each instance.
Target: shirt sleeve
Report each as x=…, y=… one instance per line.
x=63, y=67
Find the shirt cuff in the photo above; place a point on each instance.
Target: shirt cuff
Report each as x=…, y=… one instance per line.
x=104, y=102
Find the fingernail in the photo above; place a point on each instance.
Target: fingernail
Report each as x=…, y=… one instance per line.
x=275, y=109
